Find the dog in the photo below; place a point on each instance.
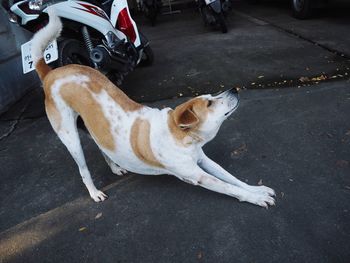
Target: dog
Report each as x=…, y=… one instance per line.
x=133, y=137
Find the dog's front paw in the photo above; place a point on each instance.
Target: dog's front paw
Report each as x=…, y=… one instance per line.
x=263, y=200
x=262, y=189
x=98, y=196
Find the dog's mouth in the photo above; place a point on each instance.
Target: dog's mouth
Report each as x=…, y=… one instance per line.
x=230, y=111
x=233, y=109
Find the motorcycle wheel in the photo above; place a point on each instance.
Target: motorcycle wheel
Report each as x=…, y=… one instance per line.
x=147, y=57
x=72, y=51
x=221, y=21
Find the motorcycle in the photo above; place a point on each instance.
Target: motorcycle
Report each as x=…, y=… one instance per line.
x=213, y=12
x=112, y=44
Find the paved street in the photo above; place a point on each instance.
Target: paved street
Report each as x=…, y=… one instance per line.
x=291, y=132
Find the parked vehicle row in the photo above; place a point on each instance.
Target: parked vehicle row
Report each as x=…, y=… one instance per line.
x=110, y=43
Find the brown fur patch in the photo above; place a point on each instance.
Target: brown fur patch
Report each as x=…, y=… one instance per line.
x=187, y=117
x=141, y=144
x=98, y=81
x=81, y=100
x=42, y=68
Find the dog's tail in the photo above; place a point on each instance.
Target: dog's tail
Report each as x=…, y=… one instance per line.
x=40, y=41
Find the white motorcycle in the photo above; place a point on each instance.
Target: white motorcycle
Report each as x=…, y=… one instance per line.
x=111, y=44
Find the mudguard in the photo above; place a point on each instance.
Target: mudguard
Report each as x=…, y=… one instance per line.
x=82, y=12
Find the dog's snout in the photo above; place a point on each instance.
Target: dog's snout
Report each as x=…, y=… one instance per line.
x=233, y=90
x=232, y=94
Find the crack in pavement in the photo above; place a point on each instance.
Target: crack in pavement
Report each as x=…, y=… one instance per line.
x=14, y=124
x=24, y=119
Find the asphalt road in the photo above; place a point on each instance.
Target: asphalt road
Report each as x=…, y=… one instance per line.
x=293, y=135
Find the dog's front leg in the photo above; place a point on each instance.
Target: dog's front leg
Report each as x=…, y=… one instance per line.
x=216, y=170
x=196, y=176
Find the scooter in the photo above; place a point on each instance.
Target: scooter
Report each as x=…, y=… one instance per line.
x=111, y=44
x=213, y=12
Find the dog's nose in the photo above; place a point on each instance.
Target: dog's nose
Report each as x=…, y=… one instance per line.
x=233, y=90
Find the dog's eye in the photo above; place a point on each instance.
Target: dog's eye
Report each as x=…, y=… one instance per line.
x=210, y=102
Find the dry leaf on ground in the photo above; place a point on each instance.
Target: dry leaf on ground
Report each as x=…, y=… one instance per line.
x=98, y=215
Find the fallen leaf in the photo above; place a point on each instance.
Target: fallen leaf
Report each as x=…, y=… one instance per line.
x=260, y=77
x=319, y=78
x=260, y=182
x=82, y=229
x=98, y=215
x=240, y=149
x=304, y=79
x=200, y=255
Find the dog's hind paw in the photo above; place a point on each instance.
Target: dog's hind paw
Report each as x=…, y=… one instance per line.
x=118, y=171
x=98, y=196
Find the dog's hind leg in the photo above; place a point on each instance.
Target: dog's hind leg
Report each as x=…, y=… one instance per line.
x=114, y=167
x=68, y=133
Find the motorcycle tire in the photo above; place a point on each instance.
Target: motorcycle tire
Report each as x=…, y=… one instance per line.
x=72, y=51
x=147, y=57
x=221, y=21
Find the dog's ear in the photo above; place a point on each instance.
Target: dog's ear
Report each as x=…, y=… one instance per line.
x=184, y=117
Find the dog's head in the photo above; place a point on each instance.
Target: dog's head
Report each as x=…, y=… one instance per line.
x=201, y=117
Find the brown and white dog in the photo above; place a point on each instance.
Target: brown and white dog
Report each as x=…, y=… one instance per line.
x=133, y=137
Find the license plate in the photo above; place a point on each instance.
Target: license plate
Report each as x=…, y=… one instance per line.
x=50, y=54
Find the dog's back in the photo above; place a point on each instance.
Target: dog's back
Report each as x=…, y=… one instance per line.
x=81, y=89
